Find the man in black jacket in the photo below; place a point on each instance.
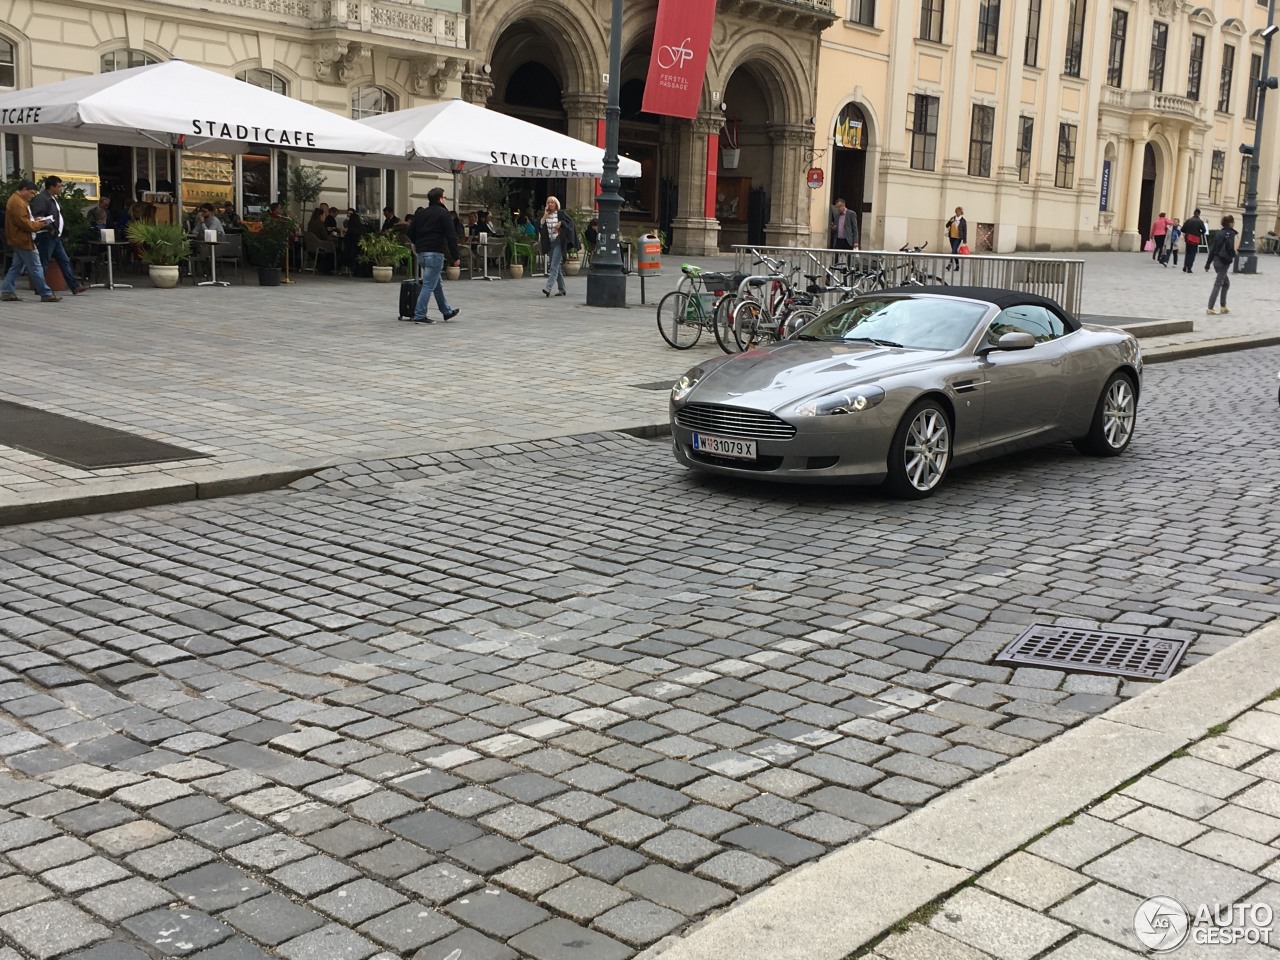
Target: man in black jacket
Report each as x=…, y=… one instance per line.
x=1193, y=232
x=49, y=241
x=432, y=235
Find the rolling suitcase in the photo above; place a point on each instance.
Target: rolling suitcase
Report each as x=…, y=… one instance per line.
x=409, y=291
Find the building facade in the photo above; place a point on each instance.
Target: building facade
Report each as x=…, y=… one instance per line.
x=541, y=60
x=1056, y=125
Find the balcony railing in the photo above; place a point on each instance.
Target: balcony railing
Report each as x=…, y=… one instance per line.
x=404, y=19
x=1166, y=104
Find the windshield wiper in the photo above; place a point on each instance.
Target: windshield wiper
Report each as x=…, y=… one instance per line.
x=878, y=342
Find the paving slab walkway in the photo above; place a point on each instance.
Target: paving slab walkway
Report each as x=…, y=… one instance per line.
x=270, y=383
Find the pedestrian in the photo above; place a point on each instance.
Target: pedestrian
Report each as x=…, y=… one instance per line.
x=558, y=235
x=433, y=235
x=19, y=232
x=844, y=228
x=958, y=234
x=1171, y=244
x=49, y=242
x=1193, y=232
x=1159, y=230
x=1222, y=254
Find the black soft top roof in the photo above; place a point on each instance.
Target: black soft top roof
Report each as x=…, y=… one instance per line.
x=1000, y=297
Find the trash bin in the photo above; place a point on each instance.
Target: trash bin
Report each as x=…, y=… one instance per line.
x=650, y=263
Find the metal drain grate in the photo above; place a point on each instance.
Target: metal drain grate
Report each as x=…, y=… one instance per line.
x=1095, y=651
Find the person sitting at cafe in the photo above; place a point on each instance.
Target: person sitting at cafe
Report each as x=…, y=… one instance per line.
x=352, y=230
x=274, y=211
x=459, y=228
x=231, y=219
x=325, y=244
x=389, y=219
x=330, y=217
x=208, y=220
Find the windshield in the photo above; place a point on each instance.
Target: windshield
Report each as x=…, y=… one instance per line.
x=925, y=323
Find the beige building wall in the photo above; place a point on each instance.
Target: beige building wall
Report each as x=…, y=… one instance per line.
x=1157, y=147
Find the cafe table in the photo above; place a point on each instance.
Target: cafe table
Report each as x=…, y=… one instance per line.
x=110, y=257
x=213, y=280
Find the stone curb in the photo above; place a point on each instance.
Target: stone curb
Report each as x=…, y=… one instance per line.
x=133, y=493
x=831, y=908
x=1205, y=348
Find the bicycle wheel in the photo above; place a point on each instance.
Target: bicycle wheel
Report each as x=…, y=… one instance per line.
x=679, y=320
x=798, y=318
x=723, y=323
x=749, y=323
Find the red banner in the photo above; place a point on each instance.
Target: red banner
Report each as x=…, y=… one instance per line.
x=713, y=152
x=681, y=42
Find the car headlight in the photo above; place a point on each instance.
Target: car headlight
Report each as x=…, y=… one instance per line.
x=684, y=386
x=847, y=401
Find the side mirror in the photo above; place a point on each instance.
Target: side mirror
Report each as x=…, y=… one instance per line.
x=1017, y=340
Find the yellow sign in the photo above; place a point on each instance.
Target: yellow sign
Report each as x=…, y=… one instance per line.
x=207, y=178
x=849, y=133
x=85, y=181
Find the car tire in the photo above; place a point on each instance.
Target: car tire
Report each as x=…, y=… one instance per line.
x=1114, y=418
x=675, y=324
x=920, y=454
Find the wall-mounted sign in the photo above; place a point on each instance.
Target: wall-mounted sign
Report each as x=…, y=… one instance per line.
x=1104, y=198
x=814, y=178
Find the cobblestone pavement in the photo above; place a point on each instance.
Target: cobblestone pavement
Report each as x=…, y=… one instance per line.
x=560, y=698
x=320, y=373
x=1203, y=828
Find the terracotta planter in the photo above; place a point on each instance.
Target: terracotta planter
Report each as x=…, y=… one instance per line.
x=381, y=274
x=453, y=273
x=165, y=277
x=515, y=271
x=571, y=267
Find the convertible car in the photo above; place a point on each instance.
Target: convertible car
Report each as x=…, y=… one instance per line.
x=901, y=385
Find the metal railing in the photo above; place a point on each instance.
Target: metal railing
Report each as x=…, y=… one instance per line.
x=1060, y=280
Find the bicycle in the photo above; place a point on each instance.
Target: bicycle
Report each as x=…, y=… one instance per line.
x=685, y=312
x=913, y=275
x=772, y=317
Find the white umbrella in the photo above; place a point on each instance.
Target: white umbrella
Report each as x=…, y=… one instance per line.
x=176, y=104
x=459, y=137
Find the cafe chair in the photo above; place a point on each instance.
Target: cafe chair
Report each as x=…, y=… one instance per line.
x=231, y=251
x=520, y=253
x=313, y=247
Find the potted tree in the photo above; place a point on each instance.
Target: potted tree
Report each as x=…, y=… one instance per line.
x=385, y=251
x=305, y=186
x=267, y=246
x=163, y=246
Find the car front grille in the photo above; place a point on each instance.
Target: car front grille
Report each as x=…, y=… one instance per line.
x=733, y=422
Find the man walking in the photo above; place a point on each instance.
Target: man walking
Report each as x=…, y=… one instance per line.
x=844, y=228
x=19, y=232
x=432, y=234
x=49, y=242
x=1222, y=255
x=1193, y=231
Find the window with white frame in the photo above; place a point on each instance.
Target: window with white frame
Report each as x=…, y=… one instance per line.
x=862, y=12
x=982, y=131
x=924, y=132
x=372, y=188
x=1217, y=167
x=265, y=79
x=1026, y=134
x=125, y=59
x=1065, y=175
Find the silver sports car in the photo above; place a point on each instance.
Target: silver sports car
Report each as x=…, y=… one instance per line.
x=900, y=386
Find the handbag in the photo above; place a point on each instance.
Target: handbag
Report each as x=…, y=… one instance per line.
x=964, y=249
x=1192, y=238
x=1148, y=246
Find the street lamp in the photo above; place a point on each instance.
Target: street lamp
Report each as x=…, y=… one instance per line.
x=1247, y=255
x=606, y=283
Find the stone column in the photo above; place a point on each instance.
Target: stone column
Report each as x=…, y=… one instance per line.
x=584, y=110
x=788, y=224
x=693, y=233
x=1130, y=237
x=1182, y=182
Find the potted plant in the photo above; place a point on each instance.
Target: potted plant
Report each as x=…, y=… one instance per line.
x=572, y=263
x=266, y=244
x=385, y=251
x=729, y=152
x=452, y=271
x=305, y=186
x=163, y=246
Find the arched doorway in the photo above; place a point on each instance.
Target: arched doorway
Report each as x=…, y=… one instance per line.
x=744, y=194
x=1147, y=198
x=851, y=141
x=529, y=80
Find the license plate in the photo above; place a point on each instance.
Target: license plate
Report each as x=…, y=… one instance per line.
x=725, y=447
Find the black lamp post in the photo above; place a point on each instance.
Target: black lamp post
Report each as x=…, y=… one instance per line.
x=1247, y=255
x=606, y=283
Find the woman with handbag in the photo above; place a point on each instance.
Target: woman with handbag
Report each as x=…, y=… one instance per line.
x=958, y=234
